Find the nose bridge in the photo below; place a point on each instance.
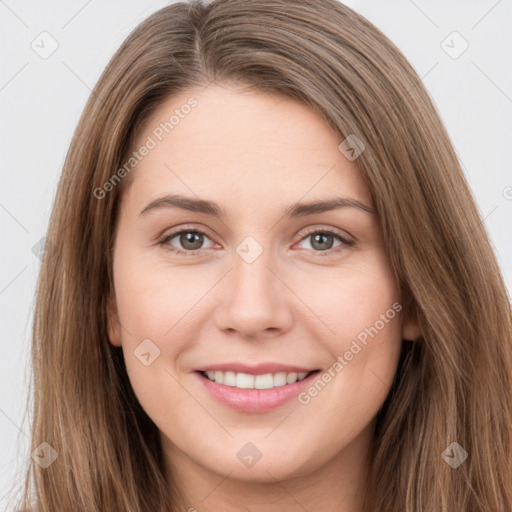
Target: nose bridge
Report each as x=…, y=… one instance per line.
x=252, y=278
x=254, y=300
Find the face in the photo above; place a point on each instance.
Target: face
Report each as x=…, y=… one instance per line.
x=253, y=288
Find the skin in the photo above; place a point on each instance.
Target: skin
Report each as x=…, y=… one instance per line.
x=254, y=154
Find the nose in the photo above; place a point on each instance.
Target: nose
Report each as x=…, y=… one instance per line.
x=255, y=301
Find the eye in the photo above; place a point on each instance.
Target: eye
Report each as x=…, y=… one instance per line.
x=190, y=239
x=322, y=241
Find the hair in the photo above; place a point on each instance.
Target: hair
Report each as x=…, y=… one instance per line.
x=454, y=384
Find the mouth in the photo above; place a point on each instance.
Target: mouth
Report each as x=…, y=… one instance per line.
x=250, y=393
x=243, y=380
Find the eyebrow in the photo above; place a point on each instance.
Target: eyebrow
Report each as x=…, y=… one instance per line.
x=294, y=210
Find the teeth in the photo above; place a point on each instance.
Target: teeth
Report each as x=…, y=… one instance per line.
x=246, y=381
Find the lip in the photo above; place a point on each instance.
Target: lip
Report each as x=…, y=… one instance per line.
x=258, y=369
x=254, y=400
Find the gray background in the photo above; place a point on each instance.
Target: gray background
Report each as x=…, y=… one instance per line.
x=42, y=97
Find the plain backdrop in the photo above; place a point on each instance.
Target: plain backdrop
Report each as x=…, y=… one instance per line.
x=53, y=52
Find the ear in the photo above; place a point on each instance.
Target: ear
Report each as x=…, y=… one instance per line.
x=410, y=328
x=113, y=325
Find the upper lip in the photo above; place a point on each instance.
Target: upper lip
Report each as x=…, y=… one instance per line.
x=258, y=369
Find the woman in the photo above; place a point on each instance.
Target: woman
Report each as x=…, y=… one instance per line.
x=337, y=337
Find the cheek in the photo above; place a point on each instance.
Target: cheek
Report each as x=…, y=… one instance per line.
x=353, y=298
x=151, y=297
x=152, y=305
x=360, y=305
x=361, y=309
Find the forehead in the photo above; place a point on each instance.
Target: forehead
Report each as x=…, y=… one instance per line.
x=227, y=141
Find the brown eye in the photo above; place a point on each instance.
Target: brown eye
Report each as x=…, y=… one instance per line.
x=323, y=240
x=191, y=240
x=186, y=241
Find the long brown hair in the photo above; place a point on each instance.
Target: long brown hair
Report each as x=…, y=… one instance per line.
x=453, y=385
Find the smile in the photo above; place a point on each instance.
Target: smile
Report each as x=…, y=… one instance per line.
x=247, y=381
x=254, y=393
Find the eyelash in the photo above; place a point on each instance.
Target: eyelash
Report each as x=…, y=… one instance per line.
x=164, y=241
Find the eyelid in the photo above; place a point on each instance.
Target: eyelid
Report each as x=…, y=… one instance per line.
x=344, y=235
x=176, y=230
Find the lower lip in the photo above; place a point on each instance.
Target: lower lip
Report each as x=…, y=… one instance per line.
x=255, y=400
